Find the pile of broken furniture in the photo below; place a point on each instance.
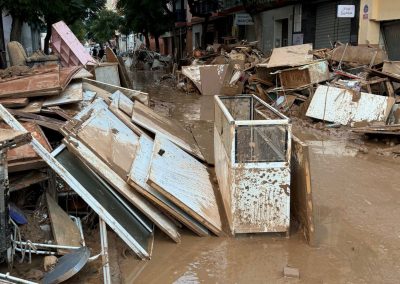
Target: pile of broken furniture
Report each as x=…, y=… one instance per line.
x=99, y=142
x=355, y=86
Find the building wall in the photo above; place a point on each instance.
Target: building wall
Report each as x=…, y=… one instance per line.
x=378, y=11
x=271, y=28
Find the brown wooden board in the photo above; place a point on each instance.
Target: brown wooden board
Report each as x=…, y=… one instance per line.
x=24, y=179
x=184, y=181
x=362, y=55
x=65, y=231
x=290, y=56
x=302, y=207
x=13, y=103
x=137, y=178
x=24, y=157
x=155, y=123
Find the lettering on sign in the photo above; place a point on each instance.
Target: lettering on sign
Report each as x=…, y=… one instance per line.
x=346, y=11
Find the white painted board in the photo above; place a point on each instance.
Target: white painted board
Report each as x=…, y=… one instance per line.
x=185, y=181
x=337, y=105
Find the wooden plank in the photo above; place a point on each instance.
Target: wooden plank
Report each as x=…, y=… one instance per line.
x=23, y=180
x=73, y=93
x=132, y=94
x=301, y=190
x=155, y=123
x=125, y=118
x=203, y=133
x=65, y=231
x=107, y=73
x=185, y=181
x=99, y=167
x=137, y=178
x=34, y=106
x=11, y=103
x=290, y=56
x=45, y=121
x=363, y=55
x=10, y=138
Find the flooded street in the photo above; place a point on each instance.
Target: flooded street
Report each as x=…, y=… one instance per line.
x=357, y=204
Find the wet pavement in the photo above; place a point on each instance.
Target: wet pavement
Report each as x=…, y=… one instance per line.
x=357, y=204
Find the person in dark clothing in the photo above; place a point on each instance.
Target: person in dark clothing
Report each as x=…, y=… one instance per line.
x=101, y=53
x=94, y=52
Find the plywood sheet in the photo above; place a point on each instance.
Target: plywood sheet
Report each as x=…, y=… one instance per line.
x=137, y=178
x=302, y=207
x=11, y=103
x=73, y=93
x=113, y=141
x=155, y=123
x=344, y=107
x=212, y=78
x=363, y=55
x=290, y=56
x=107, y=73
x=65, y=231
x=185, y=181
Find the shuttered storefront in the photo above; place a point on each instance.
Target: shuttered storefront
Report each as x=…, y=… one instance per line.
x=329, y=28
x=391, y=34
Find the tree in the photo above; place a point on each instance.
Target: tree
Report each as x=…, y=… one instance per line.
x=68, y=11
x=147, y=17
x=21, y=11
x=102, y=27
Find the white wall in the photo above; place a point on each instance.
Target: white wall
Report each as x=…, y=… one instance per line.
x=271, y=30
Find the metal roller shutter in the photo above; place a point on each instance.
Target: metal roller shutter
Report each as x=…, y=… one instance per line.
x=391, y=33
x=329, y=28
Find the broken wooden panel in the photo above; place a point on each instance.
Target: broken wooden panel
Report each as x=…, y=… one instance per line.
x=68, y=47
x=113, y=107
x=73, y=93
x=122, y=102
x=363, y=55
x=203, y=132
x=155, y=123
x=107, y=73
x=41, y=120
x=11, y=138
x=34, y=106
x=212, y=78
x=184, y=181
x=106, y=135
x=77, y=187
x=12, y=103
x=392, y=67
x=344, y=107
x=137, y=178
x=65, y=231
x=82, y=73
x=23, y=180
x=193, y=73
x=42, y=84
x=302, y=208
x=120, y=185
x=24, y=157
x=303, y=76
x=134, y=228
x=290, y=56
x=132, y=94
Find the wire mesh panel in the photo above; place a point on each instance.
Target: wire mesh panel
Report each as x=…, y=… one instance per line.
x=260, y=143
x=239, y=107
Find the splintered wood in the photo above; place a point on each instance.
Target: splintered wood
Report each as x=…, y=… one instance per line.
x=185, y=181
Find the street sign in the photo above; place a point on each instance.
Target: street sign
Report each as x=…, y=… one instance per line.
x=243, y=19
x=346, y=11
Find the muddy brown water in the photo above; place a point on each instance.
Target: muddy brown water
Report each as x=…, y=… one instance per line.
x=357, y=203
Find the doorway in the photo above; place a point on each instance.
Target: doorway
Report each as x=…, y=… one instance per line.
x=282, y=32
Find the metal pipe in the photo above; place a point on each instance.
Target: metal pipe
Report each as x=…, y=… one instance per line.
x=104, y=248
x=7, y=276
